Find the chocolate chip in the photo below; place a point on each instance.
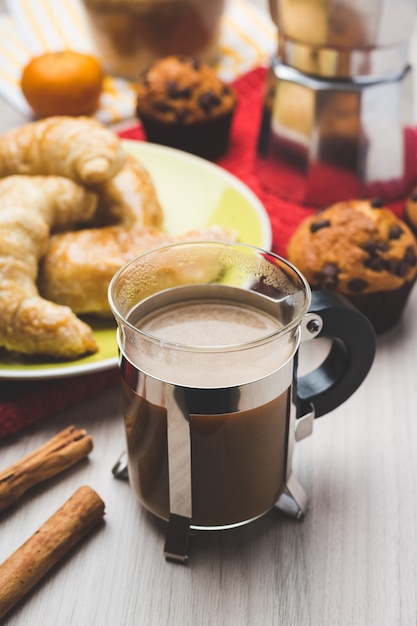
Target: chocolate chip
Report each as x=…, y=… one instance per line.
x=395, y=232
x=375, y=263
x=398, y=267
x=402, y=268
x=391, y=265
x=357, y=284
x=329, y=276
x=410, y=256
x=414, y=196
x=162, y=107
x=172, y=88
x=315, y=226
x=175, y=93
x=377, y=203
x=208, y=100
x=181, y=114
x=375, y=245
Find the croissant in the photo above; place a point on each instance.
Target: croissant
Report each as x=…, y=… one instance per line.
x=128, y=198
x=78, y=266
x=61, y=202
x=29, y=208
x=80, y=148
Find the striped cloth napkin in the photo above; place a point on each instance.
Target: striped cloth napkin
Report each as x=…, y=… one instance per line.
x=247, y=40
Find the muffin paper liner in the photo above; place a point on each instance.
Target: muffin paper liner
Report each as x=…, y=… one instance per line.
x=208, y=139
x=385, y=308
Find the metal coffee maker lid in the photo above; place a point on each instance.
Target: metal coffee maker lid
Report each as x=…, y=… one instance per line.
x=337, y=117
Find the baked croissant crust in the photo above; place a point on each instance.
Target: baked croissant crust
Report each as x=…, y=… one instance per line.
x=80, y=148
x=78, y=266
x=29, y=208
x=84, y=150
x=128, y=198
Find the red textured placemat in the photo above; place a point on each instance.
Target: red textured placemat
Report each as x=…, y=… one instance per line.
x=241, y=161
x=26, y=402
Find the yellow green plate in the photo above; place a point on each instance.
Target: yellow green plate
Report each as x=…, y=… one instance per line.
x=193, y=193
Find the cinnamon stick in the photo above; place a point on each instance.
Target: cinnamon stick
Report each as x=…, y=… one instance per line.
x=20, y=572
x=53, y=457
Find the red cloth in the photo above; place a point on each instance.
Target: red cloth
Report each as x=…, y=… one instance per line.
x=241, y=161
x=23, y=403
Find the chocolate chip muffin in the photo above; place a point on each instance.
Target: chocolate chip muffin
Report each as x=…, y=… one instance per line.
x=362, y=250
x=182, y=103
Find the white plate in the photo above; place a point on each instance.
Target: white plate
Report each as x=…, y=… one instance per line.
x=193, y=193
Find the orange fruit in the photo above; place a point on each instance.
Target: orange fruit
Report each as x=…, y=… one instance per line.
x=62, y=83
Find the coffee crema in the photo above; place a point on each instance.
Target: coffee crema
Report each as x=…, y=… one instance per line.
x=208, y=324
x=179, y=336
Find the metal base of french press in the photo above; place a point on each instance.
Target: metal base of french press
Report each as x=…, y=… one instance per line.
x=322, y=141
x=177, y=539
x=292, y=501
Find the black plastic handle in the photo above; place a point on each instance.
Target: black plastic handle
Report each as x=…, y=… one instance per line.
x=349, y=360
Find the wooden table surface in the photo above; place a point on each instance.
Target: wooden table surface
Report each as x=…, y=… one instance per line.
x=351, y=561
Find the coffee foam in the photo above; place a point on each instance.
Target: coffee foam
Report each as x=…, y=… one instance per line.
x=241, y=345
x=209, y=324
